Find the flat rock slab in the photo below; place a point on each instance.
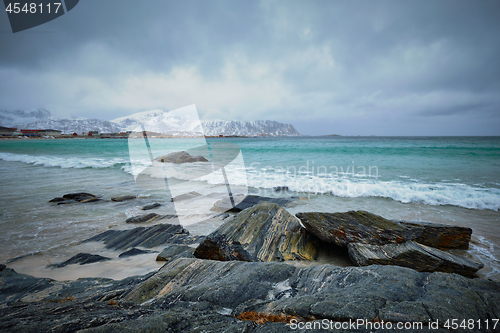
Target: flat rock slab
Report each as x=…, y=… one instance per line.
x=151, y=206
x=441, y=236
x=225, y=205
x=413, y=255
x=123, y=198
x=149, y=237
x=134, y=252
x=71, y=198
x=356, y=227
x=265, y=232
x=82, y=259
x=365, y=227
x=172, y=250
x=147, y=218
x=186, y=196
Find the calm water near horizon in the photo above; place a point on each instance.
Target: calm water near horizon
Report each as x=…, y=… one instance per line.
x=451, y=180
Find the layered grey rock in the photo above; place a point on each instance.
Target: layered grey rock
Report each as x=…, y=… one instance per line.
x=265, y=232
x=365, y=227
x=413, y=255
x=149, y=237
x=71, y=198
x=123, y=198
x=225, y=205
x=82, y=259
x=172, y=250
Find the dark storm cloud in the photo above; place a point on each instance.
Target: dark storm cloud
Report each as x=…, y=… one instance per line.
x=392, y=64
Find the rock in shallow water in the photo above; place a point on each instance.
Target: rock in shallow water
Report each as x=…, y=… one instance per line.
x=146, y=218
x=265, y=232
x=134, y=252
x=151, y=206
x=123, y=198
x=225, y=205
x=80, y=197
x=82, y=259
x=149, y=237
x=413, y=255
x=180, y=157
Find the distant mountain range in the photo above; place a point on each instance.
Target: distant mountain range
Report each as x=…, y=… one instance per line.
x=157, y=120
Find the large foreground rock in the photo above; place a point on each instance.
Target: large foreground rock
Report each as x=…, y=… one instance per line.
x=365, y=227
x=193, y=295
x=354, y=227
x=413, y=255
x=265, y=232
x=388, y=293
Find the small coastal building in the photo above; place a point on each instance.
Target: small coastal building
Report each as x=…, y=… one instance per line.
x=7, y=131
x=30, y=132
x=50, y=132
x=93, y=133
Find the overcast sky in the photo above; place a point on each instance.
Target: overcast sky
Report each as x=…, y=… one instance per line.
x=327, y=67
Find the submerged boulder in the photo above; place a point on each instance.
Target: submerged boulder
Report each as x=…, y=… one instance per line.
x=413, y=255
x=265, y=232
x=180, y=157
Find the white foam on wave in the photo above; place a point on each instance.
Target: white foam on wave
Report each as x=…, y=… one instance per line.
x=63, y=162
x=406, y=191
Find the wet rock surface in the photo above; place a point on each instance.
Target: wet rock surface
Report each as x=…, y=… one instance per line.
x=82, y=259
x=413, y=255
x=225, y=205
x=71, y=198
x=149, y=237
x=186, y=196
x=134, y=252
x=172, y=250
x=151, y=206
x=148, y=218
x=265, y=232
x=441, y=236
x=123, y=198
x=368, y=228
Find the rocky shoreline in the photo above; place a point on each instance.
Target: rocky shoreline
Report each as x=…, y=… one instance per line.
x=239, y=278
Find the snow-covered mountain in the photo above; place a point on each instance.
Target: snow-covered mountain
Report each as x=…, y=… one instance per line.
x=170, y=123
x=81, y=125
x=163, y=122
x=20, y=117
x=41, y=119
x=248, y=128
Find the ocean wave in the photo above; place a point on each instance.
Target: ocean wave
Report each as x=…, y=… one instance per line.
x=405, y=191
x=63, y=162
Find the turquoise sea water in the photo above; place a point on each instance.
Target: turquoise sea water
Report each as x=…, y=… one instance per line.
x=453, y=180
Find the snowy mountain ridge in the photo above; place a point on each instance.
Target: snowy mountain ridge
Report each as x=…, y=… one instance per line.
x=154, y=120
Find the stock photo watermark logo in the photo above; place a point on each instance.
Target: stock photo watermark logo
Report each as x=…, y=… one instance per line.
x=308, y=178
x=169, y=153
x=25, y=15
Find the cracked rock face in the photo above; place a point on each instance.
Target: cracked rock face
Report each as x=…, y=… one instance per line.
x=189, y=294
